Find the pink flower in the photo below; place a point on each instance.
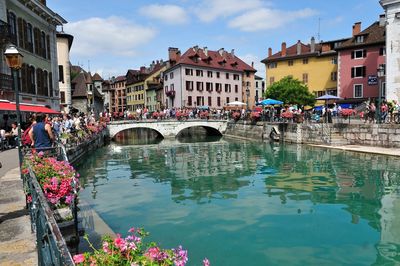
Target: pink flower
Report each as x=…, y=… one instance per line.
x=80, y=258
x=120, y=243
x=206, y=262
x=152, y=253
x=132, y=230
x=105, y=247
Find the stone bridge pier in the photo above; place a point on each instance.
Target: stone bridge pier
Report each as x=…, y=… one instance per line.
x=167, y=129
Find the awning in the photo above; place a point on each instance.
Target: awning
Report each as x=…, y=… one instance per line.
x=8, y=106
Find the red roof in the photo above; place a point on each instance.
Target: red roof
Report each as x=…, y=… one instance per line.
x=292, y=50
x=7, y=106
x=214, y=59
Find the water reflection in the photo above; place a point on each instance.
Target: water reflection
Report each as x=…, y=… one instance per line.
x=329, y=204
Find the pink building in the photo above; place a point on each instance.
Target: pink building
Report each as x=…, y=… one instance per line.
x=201, y=77
x=359, y=58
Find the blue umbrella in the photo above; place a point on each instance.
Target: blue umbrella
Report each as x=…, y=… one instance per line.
x=270, y=102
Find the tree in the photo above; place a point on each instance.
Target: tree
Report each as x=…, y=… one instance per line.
x=291, y=91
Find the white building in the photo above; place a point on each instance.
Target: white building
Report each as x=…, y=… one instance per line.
x=392, y=12
x=64, y=42
x=260, y=88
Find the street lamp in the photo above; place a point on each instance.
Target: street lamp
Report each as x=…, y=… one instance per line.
x=381, y=73
x=247, y=95
x=14, y=62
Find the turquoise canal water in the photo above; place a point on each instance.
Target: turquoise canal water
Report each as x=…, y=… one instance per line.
x=247, y=203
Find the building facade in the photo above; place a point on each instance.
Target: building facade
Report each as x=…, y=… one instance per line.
x=313, y=64
x=259, y=88
x=201, y=77
x=64, y=43
x=135, y=89
x=359, y=58
x=153, y=85
x=392, y=14
x=31, y=26
x=118, y=94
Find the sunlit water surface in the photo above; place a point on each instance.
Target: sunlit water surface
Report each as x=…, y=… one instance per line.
x=248, y=203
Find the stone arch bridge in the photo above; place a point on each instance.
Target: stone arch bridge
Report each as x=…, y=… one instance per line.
x=168, y=128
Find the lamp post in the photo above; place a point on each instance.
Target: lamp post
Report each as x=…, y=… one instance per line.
x=14, y=61
x=247, y=96
x=381, y=73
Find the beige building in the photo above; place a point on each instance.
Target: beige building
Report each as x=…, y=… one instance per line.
x=64, y=43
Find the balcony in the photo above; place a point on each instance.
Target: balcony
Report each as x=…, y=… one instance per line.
x=170, y=94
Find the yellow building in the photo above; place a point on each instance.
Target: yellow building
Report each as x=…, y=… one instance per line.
x=314, y=64
x=135, y=89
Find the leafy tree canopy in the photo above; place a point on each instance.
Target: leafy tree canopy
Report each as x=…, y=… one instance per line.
x=290, y=91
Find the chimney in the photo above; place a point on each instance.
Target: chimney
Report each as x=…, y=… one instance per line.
x=269, y=52
x=356, y=28
x=142, y=69
x=283, y=50
x=382, y=20
x=174, y=54
x=221, y=51
x=252, y=64
x=233, y=52
x=298, y=48
x=205, y=50
x=312, y=45
x=195, y=48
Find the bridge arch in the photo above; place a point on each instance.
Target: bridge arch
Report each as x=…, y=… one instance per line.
x=167, y=129
x=138, y=127
x=209, y=129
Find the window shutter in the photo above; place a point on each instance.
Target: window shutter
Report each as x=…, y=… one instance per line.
x=364, y=71
x=48, y=46
x=36, y=32
x=352, y=55
x=352, y=72
x=364, y=53
x=25, y=31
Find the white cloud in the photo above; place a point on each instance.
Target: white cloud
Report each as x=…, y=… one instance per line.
x=170, y=14
x=265, y=18
x=260, y=67
x=210, y=10
x=107, y=36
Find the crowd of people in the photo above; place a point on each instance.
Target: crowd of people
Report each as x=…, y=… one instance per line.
x=42, y=130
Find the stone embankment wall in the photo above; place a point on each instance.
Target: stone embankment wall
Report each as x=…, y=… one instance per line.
x=382, y=135
x=75, y=153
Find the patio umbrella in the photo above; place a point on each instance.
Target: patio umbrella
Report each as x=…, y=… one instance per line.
x=269, y=102
x=236, y=103
x=327, y=97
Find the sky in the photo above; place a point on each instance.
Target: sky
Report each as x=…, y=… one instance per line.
x=111, y=37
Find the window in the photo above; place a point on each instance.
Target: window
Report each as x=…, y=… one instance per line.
x=333, y=76
x=189, y=85
x=247, y=74
x=236, y=99
x=272, y=65
x=20, y=24
x=236, y=88
x=360, y=39
x=36, y=39
x=271, y=80
x=209, y=86
x=218, y=87
x=209, y=74
x=290, y=63
x=209, y=101
x=358, y=91
x=43, y=51
x=236, y=77
x=199, y=73
x=219, y=101
x=166, y=88
x=227, y=100
x=189, y=100
x=305, y=61
x=166, y=77
x=29, y=38
x=227, y=87
x=200, y=100
x=358, y=72
x=305, y=78
x=61, y=73
x=384, y=68
x=382, y=51
x=171, y=75
x=217, y=74
x=48, y=46
x=12, y=22
x=334, y=60
x=227, y=75
x=199, y=85
x=383, y=89
x=62, y=96
x=357, y=54
x=189, y=72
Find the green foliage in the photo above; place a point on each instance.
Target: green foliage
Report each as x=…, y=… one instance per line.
x=290, y=91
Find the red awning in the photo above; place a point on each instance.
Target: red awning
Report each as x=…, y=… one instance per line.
x=7, y=106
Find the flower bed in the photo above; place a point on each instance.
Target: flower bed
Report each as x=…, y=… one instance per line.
x=131, y=250
x=236, y=116
x=58, y=179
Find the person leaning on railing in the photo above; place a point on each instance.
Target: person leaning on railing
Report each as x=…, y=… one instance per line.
x=41, y=134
